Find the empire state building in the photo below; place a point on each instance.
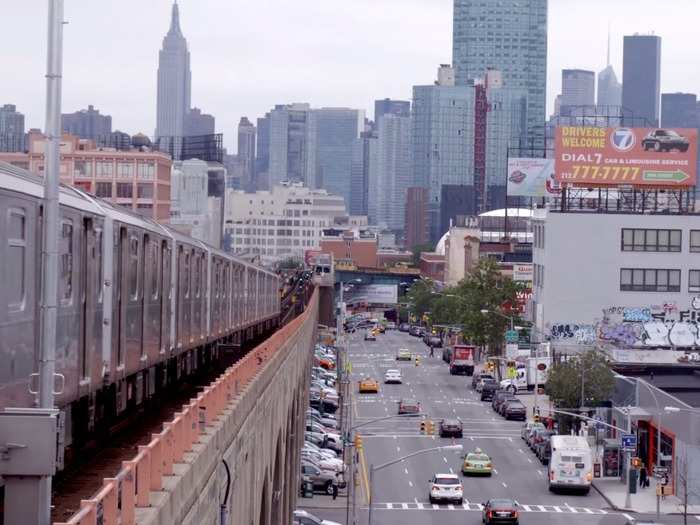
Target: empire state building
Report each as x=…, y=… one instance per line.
x=174, y=81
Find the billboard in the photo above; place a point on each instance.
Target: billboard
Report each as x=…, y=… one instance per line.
x=591, y=156
x=528, y=177
x=372, y=294
x=522, y=272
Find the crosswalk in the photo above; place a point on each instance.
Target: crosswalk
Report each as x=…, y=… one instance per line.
x=477, y=507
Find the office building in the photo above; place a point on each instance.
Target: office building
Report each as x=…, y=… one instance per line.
x=262, y=153
x=609, y=89
x=577, y=89
x=331, y=135
x=390, y=172
x=283, y=222
x=417, y=227
x=174, y=81
x=359, y=172
x=679, y=110
x=87, y=124
x=493, y=35
x=641, y=77
x=198, y=124
x=137, y=179
x=401, y=108
x=288, y=135
x=11, y=129
x=246, y=152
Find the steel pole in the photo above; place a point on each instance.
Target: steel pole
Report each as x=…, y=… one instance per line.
x=49, y=270
x=371, y=493
x=658, y=462
x=628, y=461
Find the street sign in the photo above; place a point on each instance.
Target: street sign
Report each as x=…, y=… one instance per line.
x=542, y=367
x=660, y=471
x=511, y=336
x=629, y=441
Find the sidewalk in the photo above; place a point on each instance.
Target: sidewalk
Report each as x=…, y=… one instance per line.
x=322, y=501
x=644, y=501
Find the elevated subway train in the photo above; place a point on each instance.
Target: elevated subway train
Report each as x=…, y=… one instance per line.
x=139, y=304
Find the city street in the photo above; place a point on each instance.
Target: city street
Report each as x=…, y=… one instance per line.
x=401, y=490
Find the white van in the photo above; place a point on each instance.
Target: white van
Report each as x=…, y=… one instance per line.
x=571, y=464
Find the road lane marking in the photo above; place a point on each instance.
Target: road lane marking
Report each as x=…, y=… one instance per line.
x=451, y=507
x=451, y=471
x=444, y=459
x=529, y=460
x=405, y=506
x=405, y=470
x=410, y=484
x=628, y=517
x=504, y=484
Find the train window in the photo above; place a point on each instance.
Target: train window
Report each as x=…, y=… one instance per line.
x=67, y=260
x=187, y=275
x=197, y=275
x=133, y=268
x=98, y=262
x=155, y=270
x=17, y=252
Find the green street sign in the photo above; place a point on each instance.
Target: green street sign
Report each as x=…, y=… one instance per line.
x=666, y=176
x=511, y=336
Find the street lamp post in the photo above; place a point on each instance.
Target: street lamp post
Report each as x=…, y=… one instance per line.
x=373, y=469
x=510, y=318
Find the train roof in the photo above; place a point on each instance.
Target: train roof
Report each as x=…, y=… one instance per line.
x=19, y=180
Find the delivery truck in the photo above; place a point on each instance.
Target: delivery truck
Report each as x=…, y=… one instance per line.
x=462, y=360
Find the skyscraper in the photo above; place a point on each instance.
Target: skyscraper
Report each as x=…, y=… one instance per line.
x=679, y=110
x=359, y=172
x=577, y=88
x=402, y=108
x=262, y=158
x=11, y=129
x=198, y=123
x=288, y=149
x=390, y=172
x=510, y=36
x=87, y=124
x=609, y=89
x=174, y=81
x=641, y=77
x=246, y=152
x=331, y=135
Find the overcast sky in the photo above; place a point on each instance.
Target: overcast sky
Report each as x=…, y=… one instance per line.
x=247, y=55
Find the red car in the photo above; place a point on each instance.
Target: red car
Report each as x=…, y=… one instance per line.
x=409, y=407
x=500, y=510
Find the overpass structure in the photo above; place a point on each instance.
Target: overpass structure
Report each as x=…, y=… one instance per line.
x=237, y=443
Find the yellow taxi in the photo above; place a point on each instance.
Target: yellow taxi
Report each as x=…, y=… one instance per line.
x=368, y=385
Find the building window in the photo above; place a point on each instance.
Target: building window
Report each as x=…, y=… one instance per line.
x=695, y=241
x=144, y=191
x=125, y=170
x=82, y=169
x=146, y=170
x=104, y=169
x=125, y=190
x=650, y=280
x=104, y=190
x=694, y=281
x=645, y=240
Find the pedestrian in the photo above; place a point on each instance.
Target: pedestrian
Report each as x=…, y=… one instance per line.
x=643, y=478
x=335, y=490
x=432, y=351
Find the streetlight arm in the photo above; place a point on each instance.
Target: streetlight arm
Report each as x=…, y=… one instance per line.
x=417, y=453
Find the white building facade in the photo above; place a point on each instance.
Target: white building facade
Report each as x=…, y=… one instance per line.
x=624, y=281
x=283, y=222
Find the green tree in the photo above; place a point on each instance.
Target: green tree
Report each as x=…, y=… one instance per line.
x=486, y=288
x=421, y=297
x=588, y=374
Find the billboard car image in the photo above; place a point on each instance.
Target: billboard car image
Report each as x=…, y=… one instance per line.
x=590, y=156
x=531, y=177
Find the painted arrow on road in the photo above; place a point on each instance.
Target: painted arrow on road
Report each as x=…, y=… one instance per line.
x=666, y=176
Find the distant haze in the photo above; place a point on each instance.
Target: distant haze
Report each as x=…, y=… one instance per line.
x=247, y=55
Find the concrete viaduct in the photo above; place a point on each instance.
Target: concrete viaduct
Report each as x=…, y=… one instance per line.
x=259, y=435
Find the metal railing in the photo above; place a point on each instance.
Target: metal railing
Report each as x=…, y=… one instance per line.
x=116, y=501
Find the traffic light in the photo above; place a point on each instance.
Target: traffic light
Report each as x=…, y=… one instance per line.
x=423, y=427
x=358, y=442
x=429, y=427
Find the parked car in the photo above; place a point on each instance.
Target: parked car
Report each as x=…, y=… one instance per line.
x=391, y=326
x=403, y=327
x=333, y=442
x=499, y=397
x=302, y=517
x=514, y=409
x=415, y=331
x=322, y=479
x=323, y=451
x=478, y=377
x=488, y=390
x=543, y=449
x=370, y=335
x=485, y=380
x=538, y=436
x=528, y=428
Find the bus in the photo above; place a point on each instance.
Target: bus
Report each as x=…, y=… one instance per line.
x=571, y=464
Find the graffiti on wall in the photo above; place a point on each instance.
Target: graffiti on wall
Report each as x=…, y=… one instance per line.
x=664, y=324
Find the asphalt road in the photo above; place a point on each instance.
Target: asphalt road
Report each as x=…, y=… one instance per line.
x=401, y=490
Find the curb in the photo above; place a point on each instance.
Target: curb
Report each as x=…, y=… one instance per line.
x=609, y=501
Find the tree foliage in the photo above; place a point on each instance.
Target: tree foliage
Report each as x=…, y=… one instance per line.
x=590, y=370
x=484, y=288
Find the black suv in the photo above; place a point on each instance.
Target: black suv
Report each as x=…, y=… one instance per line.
x=488, y=390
